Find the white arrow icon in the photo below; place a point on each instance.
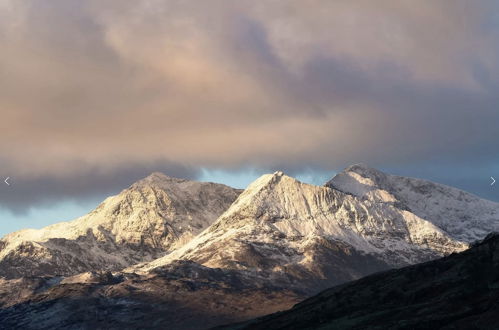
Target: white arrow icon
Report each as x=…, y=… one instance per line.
x=7, y=181
x=493, y=181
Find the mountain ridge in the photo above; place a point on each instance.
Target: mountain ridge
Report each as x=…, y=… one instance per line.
x=284, y=226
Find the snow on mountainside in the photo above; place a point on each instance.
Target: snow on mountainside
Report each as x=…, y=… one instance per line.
x=462, y=215
x=294, y=230
x=145, y=221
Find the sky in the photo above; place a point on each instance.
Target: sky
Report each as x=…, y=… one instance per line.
x=95, y=95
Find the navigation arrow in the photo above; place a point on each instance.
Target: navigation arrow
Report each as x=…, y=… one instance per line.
x=7, y=181
x=493, y=181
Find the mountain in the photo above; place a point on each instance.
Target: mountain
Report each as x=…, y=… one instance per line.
x=279, y=242
x=460, y=291
x=310, y=237
x=145, y=221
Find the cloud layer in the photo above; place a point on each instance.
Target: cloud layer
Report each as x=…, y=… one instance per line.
x=115, y=87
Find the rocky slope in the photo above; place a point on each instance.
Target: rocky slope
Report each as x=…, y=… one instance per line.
x=308, y=237
x=456, y=292
x=145, y=221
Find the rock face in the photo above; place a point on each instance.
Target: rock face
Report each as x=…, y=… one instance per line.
x=456, y=292
x=145, y=221
x=309, y=237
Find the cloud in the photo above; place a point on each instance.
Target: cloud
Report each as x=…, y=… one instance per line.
x=118, y=88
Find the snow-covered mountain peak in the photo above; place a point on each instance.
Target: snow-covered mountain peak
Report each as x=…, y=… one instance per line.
x=361, y=168
x=266, y=180
x=263, y=184
x=369, y=174
x=271, y=193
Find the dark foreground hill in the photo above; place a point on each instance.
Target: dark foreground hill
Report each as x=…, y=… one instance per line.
x=460, y=291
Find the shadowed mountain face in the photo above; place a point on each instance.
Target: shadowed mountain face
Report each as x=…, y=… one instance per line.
x=460, y=291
